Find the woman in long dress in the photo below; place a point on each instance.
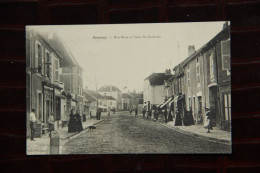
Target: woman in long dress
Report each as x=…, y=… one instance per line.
x=72, y=127
x=178, y=121
x=79, y=123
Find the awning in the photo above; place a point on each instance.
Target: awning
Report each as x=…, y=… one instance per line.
x=103, y=107
x=61, y=96
x=161, y=106
x=176, y=98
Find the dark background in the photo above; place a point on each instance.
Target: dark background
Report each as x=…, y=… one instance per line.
x=245, y=34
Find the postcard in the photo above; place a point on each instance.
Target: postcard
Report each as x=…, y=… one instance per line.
x=158, y=88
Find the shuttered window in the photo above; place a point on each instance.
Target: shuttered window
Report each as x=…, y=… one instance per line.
x=225, y=53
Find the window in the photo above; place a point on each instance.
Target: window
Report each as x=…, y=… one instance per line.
x=38, y=57
x=198, y=72
x=225, y=53
x=188, y=77
x=40, y=106
x=57, y=71
x=227, y=106
x=189, y=102
x=48, y=70
x=211, y=67
x=180, y=91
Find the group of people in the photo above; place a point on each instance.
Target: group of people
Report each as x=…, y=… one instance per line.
x=136, y=112
x=33, y=121
x=75, y=124
x=186, y=120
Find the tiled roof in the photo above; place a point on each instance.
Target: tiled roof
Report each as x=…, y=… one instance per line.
x=94, y=94
x=59, y=46
x=109, y=97
x=109, y=88
x=126, y=95
x=158, y=78
x=89, y=97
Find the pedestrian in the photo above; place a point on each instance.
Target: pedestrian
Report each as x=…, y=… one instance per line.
x=97, y=114
x=90, y=114
x=72, y=127
x=170, y=116
x=165, y=115
x=51, y=123
x=108, y=113
x=78, y=120
x=186, y=118
x=136, y=112
x=208, y=123
x=190, y=117
x=153, y=113
x=143, y=113
x=156, y=114
x=130, y=111
x=178, y=121
x=84, y=117
x=32, y=123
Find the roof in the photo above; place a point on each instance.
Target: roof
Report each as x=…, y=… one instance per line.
x=109, y=97
x=126, y=95
x=109, y=88
x=207, y=45
x=59, y=46
x=94, y=94
x=89, y=97
x=136, y=95
x=158, y=78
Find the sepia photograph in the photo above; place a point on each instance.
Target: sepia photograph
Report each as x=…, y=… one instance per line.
x=154, y=88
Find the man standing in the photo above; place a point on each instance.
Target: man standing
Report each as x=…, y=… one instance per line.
x=208, y=120
x=32, y=122
x=136, y=112
x=143, y=113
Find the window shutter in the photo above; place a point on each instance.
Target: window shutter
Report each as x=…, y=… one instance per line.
x=225, y=52
x=36, y=55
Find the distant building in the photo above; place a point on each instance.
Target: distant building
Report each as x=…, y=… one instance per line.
x=111, y=102
x=114, y=92
x=127, y=101
x=154, y=89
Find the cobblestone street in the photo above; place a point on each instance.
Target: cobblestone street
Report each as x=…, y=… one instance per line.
x=123, y=133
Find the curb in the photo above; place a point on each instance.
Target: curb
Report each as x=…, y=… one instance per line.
x=78, y=133
x=222, y=141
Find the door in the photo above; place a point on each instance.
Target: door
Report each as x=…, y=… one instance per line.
x=213, y=104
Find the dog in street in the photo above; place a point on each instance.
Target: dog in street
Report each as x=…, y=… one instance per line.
x=91, y=128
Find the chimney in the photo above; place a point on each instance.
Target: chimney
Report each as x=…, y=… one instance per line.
x=191, y=50
x=168, y=72
x=225, y=25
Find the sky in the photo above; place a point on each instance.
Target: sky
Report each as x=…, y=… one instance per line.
x=125, y=54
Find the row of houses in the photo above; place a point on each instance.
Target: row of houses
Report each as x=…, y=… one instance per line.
x=202, y=80
x=53, y=78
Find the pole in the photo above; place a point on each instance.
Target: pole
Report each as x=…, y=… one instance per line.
x=96, y=91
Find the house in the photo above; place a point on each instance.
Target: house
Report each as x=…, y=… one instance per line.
x=90, y=105
x=207, y=80
x=111, y=103
x=43, y=78
x=114, y=92
x=127, y=101
x=101, y=101
x=154, y=89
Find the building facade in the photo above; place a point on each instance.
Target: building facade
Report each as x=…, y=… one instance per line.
x=43, y=78
x=113, y=92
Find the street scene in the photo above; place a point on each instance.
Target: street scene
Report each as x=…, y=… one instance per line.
x=131, y=88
